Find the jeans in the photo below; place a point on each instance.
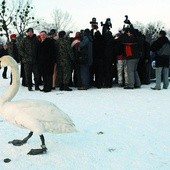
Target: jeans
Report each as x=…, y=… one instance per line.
x=162, y=72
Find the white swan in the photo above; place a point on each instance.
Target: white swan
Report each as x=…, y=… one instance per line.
x=36, y=115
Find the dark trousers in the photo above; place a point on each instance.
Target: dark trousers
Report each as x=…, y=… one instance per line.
x=28, y=70
x=47, y=81
x=46, y=71
x=98, y=71
x=85, y=75
x=108, y=74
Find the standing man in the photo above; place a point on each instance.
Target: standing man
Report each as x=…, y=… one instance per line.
x=53, y=37
x=132, y=53
x=86, y=50
x=13, y=49
x=162, y=63
x=28, y=51
x=64, y=59
x=46, y=60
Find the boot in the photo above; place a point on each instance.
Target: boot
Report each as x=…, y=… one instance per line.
x=37, y=88
x=30, y=89
x=65, y=88
x=61, y=87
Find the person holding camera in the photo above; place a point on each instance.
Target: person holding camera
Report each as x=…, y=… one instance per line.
x=132, y=53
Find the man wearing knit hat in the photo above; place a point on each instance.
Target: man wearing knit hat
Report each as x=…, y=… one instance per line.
x=13, y=36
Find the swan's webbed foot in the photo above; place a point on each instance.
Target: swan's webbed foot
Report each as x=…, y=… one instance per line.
x=17, y=142
x=38, y=151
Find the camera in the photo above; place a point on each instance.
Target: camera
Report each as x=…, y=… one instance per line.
x=127, y=21
x=94, y=23
x=107, y=23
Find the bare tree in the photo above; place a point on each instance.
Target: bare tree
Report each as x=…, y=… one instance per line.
x=151, y=31
x=23, y=17
x=5, y=19
x=17, y=18
x=62, y=20
x=140, y=27
x=45, y=26
x=168, y=34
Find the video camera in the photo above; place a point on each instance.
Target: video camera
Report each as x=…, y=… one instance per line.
x=106, y=26
x=94, y=23
x=107, y=23
x=128, y=26
x=127, y=21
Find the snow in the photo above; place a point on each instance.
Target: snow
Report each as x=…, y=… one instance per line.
x=117, y=130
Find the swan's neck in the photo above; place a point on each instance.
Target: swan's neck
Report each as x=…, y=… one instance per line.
x=14, y=87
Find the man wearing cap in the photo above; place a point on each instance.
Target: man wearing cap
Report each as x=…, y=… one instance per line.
x=28, y=51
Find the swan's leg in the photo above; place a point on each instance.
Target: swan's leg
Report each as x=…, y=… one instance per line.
x=43, y=142
x=17, y=142
x=39, y=151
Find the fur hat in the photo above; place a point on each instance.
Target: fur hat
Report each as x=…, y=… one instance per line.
x=52, y=31
x=61, y=34
x=162, y=33
x=30, y=29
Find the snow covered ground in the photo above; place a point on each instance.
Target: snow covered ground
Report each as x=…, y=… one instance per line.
x=117, y=130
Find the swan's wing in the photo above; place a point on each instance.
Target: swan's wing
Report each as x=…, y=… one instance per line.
x=42, y=110
x=31, y=113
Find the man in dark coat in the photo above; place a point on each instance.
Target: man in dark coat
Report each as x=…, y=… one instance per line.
x=46, y=59
x=86, y=50
x=162, y=63
x=98, y=59
x=144, y=65
x=108, y=60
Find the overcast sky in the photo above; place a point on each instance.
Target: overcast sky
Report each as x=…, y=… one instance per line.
x=82, y=11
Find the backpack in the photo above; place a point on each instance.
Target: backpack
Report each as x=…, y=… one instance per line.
x=164, y=50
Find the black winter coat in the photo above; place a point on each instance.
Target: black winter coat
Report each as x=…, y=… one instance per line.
x=98, y=46
x=160, y=61
x=46, y=55
x=131, y=46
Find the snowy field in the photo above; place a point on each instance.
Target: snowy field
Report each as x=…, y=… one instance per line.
x=117, y=130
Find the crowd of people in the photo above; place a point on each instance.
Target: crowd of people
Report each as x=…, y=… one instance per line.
x=89, y=59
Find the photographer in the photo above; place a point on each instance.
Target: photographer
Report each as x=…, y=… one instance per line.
x=106, y=27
